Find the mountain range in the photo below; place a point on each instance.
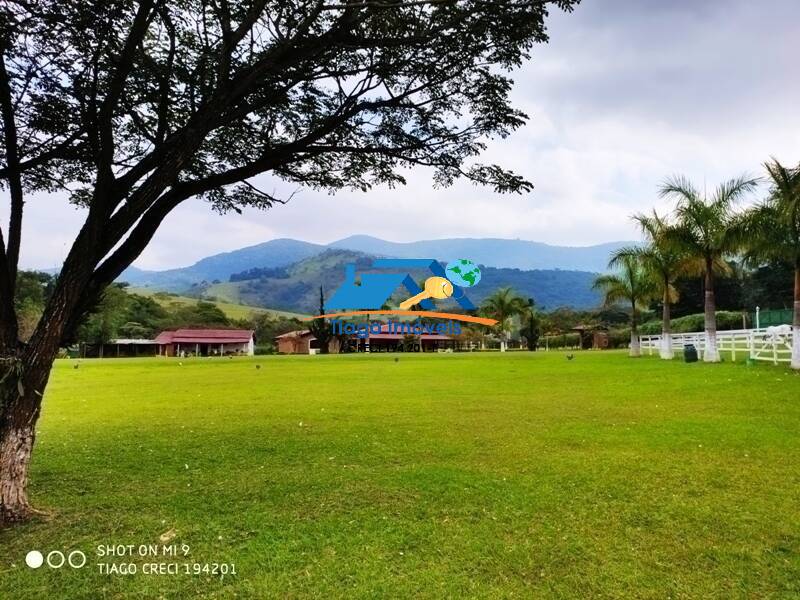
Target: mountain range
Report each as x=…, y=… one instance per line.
x=283, y=273
x=296, y=287
x=492, y=252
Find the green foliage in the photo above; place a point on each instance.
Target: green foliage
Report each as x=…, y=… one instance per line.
x=202, y=314
x=502, y=305
x=706, y=227
x=772, y=228
x=104, y=322
x=33, y=289
x=121, y=314
x=563, y=340
x=633, y=284
x=691, y=323
x=531, y=329
x=321, y=328
x=267, y=327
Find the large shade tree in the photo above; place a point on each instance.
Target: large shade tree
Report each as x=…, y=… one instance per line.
x=132, y=107
x=706, y=231
x=772, y=233
x=664, y=262
x=631, y=283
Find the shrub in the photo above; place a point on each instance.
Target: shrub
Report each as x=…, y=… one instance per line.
x=696, y=322
x=619, y=338
x=564, y=340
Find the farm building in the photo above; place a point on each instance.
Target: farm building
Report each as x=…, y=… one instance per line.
x=592, y=337
x=206, y=342
x=303, y=342
x=120, y=348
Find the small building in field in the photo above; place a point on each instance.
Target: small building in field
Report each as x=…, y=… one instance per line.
x=392, y=341
x=119, y=348
x=302, y=341
x=206, y=342
x=592, y=337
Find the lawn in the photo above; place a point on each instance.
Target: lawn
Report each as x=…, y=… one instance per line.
x=420, y=476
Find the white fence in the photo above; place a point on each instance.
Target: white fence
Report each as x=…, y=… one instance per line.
x=773, y=344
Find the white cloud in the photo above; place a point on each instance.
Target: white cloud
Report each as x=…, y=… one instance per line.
x=626, y=93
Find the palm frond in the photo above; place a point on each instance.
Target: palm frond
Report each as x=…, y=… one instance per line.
x=621, y=255
x=680, y=188
x=729, y=192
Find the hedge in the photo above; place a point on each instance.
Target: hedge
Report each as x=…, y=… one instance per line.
x=689, y=323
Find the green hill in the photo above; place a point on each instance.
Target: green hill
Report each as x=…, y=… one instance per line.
x=296, y=288
x=232, y=309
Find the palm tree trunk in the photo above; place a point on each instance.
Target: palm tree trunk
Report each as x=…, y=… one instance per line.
x=796, y=318
x=711, y=353
x=635, y=350
x=666, y=328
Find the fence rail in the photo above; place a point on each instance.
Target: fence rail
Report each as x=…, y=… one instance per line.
x=772, y=344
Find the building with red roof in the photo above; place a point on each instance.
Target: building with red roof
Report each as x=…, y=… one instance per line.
x=206, y=342
x=388, y=340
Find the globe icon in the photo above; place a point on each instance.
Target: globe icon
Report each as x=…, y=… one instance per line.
x=463, y=272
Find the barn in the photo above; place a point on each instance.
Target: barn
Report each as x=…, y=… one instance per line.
x=206, y=342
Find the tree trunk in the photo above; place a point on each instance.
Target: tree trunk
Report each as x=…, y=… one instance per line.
x=711, y=353
x=21, y=400
x=635, y=349
x=666, y=328
x=26, y=370
x=796, y=319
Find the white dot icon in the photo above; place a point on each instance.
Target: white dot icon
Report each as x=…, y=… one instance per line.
x=34, y=559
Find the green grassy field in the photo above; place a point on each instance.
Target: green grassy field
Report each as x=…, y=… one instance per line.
x=232, y=310
x=435, y=476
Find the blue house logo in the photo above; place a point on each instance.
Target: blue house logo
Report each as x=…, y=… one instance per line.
x=375, y=289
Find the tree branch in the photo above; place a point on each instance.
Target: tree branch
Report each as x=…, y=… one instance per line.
x=14, y=177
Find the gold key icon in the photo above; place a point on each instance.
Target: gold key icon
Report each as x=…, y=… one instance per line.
x=435, y=287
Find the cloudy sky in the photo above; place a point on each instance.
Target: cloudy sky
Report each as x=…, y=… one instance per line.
x=625, y=93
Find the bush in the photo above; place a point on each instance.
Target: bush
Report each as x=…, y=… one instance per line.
x=619, y=338
x=564, y=340
x=262, y=349
x=696, y=322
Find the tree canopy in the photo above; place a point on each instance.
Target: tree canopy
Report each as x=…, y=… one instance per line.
x=134, y=107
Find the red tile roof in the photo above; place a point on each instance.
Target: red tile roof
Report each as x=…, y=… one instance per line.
x=205, y=336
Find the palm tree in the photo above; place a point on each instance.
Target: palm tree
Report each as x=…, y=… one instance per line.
x=664, y=262
x=632, y=284
x=502, y=305
x=705, y=231
x=772, y=233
